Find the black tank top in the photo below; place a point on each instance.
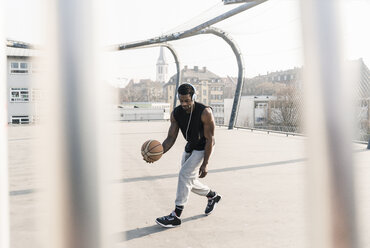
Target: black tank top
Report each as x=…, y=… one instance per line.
x=196, y=139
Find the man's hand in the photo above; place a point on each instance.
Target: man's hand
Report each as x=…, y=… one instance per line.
x=148, y=160
x=203, y=171
x=209, y=127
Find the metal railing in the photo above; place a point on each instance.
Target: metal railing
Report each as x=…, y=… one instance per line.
x=75, y=192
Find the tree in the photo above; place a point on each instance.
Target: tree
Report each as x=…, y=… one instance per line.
x=144, y=91
x=285, y=111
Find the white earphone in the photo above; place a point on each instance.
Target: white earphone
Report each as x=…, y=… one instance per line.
x=194, y=95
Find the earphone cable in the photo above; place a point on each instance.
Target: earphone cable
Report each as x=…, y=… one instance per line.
x=187, y=129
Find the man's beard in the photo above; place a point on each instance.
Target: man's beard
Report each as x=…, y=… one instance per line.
x=187, y=108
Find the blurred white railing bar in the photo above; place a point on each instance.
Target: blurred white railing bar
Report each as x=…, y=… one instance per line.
x=327, y=109
x=74, y=115
x=79, y=91
x=4, y=172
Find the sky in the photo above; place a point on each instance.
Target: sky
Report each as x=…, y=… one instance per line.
x=268, y=35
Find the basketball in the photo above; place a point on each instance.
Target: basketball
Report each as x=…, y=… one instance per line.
x=152, y=150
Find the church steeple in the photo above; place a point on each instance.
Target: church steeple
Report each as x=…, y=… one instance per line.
x=162, y=67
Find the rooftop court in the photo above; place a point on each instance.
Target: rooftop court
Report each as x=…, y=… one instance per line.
x=260, y=176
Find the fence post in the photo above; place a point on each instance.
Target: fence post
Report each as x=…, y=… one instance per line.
x=330, y=170
x=73, y=163
x=4, y=172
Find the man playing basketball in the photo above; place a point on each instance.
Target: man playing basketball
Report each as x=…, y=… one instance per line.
x=197, y=125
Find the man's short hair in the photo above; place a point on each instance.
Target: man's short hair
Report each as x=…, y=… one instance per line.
x=186, y=89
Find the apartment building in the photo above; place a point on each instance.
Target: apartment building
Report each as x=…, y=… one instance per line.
x=23, y=94
x=209, y=86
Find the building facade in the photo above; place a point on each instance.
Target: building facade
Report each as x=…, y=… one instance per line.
x=209, y=87
x=253, y=111
x=23, y=93
x=267, y=84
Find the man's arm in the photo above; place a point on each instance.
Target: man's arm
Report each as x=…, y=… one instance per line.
x=173, y=131
x=209, y=132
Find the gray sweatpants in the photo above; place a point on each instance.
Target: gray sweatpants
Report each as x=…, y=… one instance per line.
x=188, y=177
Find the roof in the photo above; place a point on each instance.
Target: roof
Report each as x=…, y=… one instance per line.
x=21, y=52
x=196, y=72
x=21, y=49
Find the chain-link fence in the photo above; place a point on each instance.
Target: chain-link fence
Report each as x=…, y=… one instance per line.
x=274, y=101
x=269, y=40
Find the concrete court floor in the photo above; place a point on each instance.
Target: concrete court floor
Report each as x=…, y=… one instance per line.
x=260, y=176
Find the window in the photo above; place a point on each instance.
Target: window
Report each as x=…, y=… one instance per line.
x=18, y=67
x=19, y=95
x=20, y=119
x=14, y=65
